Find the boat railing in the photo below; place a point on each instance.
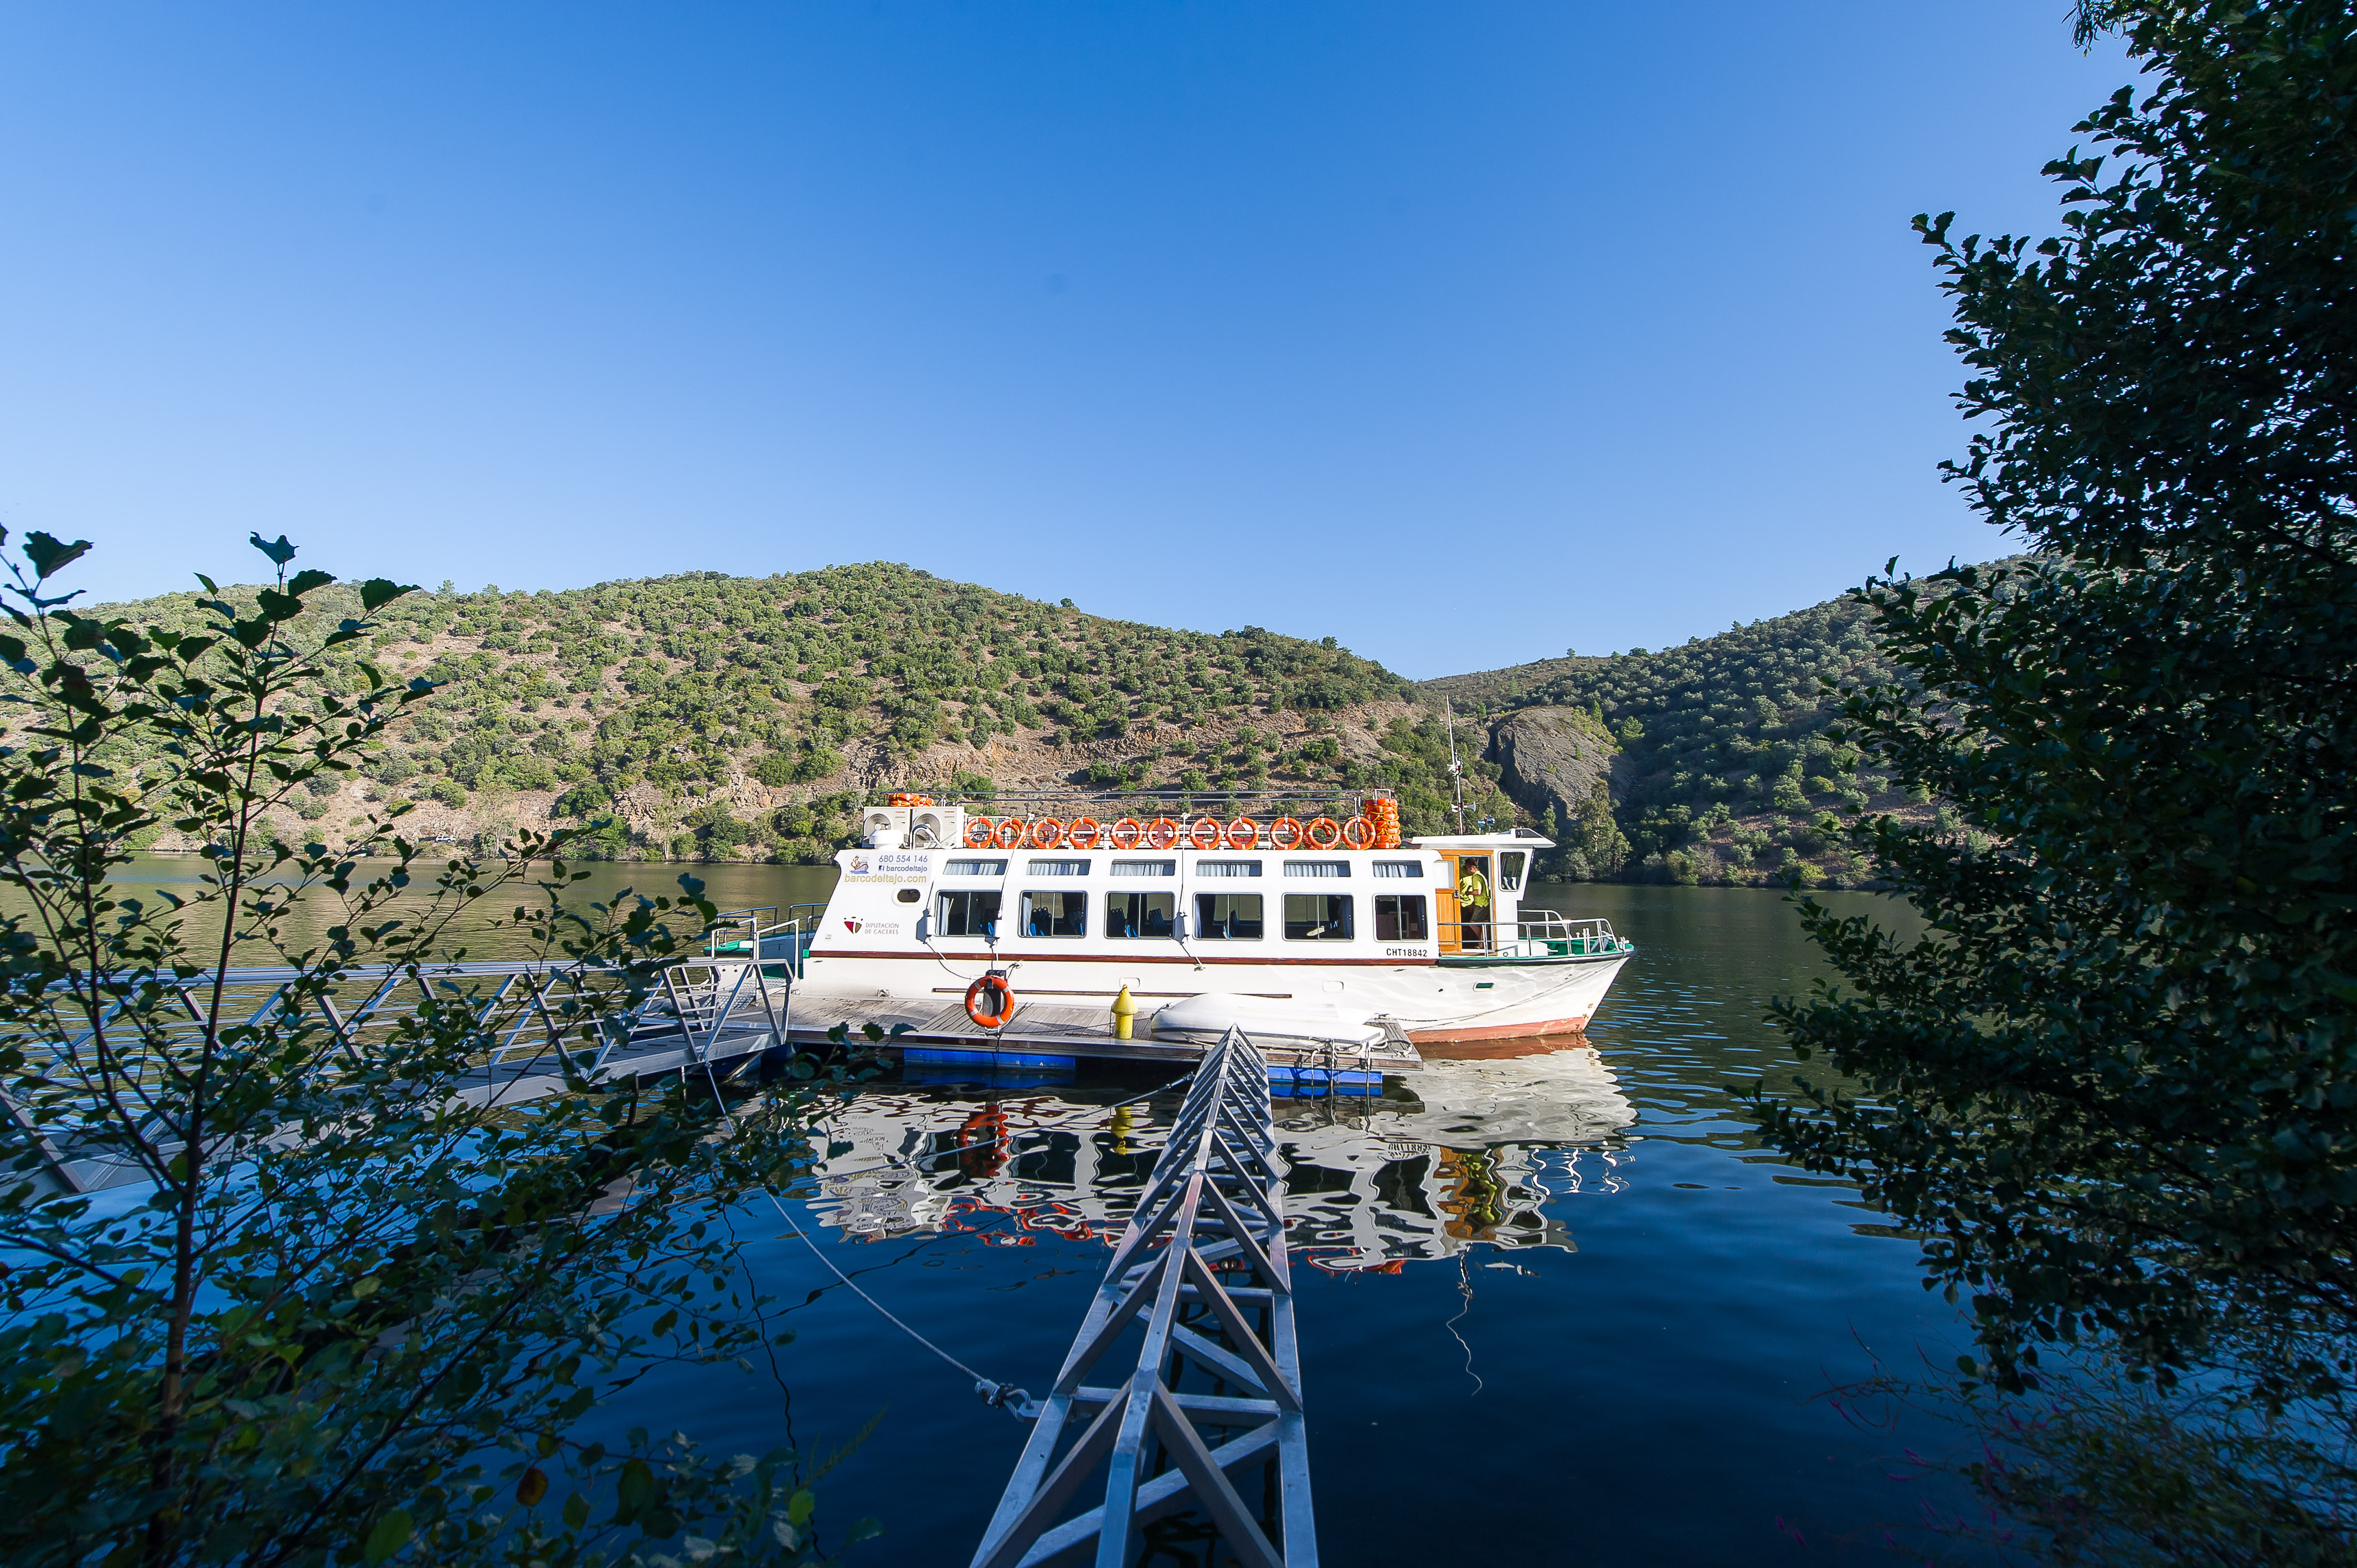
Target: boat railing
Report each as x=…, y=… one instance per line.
x=1536, y=933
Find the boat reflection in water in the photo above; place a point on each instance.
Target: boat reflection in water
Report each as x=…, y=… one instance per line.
x=1466, y=1151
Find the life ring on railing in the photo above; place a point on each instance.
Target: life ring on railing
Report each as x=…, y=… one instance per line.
x=1009, y=834
x=1128, y=833
x=1000, y=998
x=1072, y=834
x=1162, y=833
x=1207, y=832
x=1286, y=834
x=977, y=834
x=1243, y=833
x=1358, y=833
x=1330, y=838
x=1046, y=834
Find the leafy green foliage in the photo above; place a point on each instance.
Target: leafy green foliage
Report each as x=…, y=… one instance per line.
x=2115, y=1083
x=358, y=1304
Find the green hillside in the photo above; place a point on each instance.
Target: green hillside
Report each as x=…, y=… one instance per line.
x=703, y=715
x=1709, y=760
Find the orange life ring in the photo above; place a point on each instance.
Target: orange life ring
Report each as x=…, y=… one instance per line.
x=1243, y=833
x=1207, y=832
x=1046, y=834
x=1002, y=1001
x=1358, y=833
x=1128, y=833
x=1332, y=836
x=1286, y=834
x=1162, y=834
x=1072, y=834
x=1008, y=834
x=977, y=834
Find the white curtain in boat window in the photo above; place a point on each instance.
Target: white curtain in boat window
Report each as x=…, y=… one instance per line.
x=1146, y=868
x=1317, y=868
x=1059, y=868
x=1411, y=869
x=975, y=868
x=1227, y=868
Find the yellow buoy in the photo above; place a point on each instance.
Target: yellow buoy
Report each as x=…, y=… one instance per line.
x=1124, y=1011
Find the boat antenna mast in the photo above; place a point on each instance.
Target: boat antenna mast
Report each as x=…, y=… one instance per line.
x=1456, y=768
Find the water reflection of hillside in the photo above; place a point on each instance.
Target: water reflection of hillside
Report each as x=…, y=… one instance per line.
x=1464, y=1152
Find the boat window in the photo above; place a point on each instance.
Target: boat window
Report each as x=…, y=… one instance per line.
x=973, y=914
x=1139, y=914
x=1510, y=869
x=1318, y=916
x=1227, y=868
x=1399, y=918
x=1228, y=917
x=1317, y=868
x=1412, y=870
x=910, y=895
x=1059, y=868
x=1146, y=868
x=975, y=868
x=1057, y=914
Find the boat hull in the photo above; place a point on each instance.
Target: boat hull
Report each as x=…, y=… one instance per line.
x=1476, y=999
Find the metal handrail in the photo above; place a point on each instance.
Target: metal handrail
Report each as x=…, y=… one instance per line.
x=1538, y=933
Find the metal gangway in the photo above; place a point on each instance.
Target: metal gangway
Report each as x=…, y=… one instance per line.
x=1200, y=1269
x=707, y=1015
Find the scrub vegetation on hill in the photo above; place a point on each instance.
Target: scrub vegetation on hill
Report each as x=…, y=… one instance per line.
x=1719, y=767
x=704, y=716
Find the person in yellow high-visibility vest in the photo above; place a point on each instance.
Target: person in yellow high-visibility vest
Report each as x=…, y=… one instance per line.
x=1473, y=904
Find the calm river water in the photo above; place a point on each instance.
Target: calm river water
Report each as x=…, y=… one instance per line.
x=1564, y=1309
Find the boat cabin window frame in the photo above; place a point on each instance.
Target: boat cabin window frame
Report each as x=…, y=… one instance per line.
x=1319, y=918
x=1166, y=868
x=1402, y=917
x=1062, y=867
x=1510, y=866
x=1227, y=868
x=965, y=865
x=1400, y=871
x=1317, y=870
x=1132, y=915
x=967, y=924
x=1073, y=914
x=1214, y=923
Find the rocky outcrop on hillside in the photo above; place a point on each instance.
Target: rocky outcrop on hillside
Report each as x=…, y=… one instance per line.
x=1556, y=758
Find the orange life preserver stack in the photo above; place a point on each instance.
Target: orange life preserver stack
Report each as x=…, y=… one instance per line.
x=903, y=798
x=1383, y=814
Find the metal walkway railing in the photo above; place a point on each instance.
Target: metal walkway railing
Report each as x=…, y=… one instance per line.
x=1202, y=1270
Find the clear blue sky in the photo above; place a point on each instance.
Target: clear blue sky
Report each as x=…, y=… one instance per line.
x=1464, y=333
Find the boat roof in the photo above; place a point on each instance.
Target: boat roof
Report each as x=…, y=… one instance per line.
x=1521, y=838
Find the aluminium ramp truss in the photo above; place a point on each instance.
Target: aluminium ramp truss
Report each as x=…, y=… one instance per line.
x=1213, y=1210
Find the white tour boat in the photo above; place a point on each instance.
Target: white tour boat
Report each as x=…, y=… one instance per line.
x=1288, y=927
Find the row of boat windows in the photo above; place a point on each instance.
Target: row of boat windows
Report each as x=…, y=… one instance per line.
x=1409, y=870
x=1219, y=917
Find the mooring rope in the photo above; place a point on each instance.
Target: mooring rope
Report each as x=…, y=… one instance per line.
x=997, y=1395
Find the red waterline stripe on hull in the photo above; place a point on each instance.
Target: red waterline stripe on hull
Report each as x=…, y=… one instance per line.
x=1499, y=1032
